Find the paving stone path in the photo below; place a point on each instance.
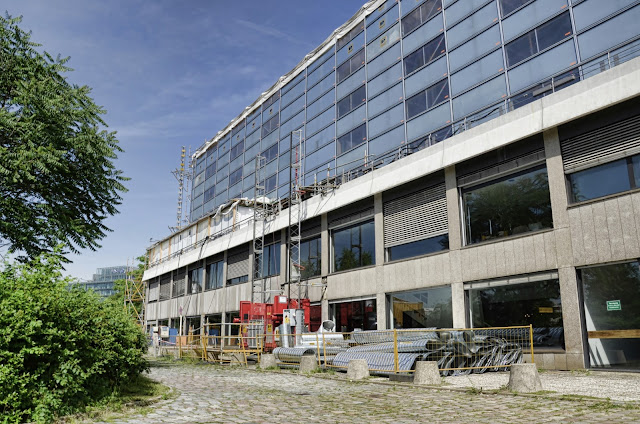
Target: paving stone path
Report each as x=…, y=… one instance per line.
x=209, y=394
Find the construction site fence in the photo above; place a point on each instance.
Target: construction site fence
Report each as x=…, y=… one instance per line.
x=456, y=351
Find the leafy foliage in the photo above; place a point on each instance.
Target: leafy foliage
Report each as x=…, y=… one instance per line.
x=58, y=182
x=61, y=348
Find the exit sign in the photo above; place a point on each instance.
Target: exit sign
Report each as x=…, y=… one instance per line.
x=613, y=305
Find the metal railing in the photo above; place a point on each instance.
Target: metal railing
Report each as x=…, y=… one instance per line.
x=456, y=351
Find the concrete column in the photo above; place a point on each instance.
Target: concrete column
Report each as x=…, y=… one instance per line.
x=457, y=305
x=325, y=310
x=453, y=208
x=381, y=297
x=379, y=228
x=223, y=292
x=324, y=245
x=571, y=316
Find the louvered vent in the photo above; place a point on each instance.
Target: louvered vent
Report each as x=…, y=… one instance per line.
x=606, y=144
x=154, y=291
x=418, y=216
x=502, y=168
x=238, y=265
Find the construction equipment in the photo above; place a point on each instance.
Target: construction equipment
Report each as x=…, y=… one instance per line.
x=268, y=325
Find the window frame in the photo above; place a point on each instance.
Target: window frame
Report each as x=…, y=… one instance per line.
x=359, y=223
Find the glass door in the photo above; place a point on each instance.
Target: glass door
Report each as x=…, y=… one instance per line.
x=611, y=296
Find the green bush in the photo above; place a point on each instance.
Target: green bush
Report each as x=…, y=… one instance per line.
x=60, y=349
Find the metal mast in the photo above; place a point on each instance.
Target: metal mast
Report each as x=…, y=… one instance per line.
x=296, y=174
x=134, y=292
x=183, y=177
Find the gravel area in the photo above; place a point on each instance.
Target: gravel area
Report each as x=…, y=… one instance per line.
x=617, y=386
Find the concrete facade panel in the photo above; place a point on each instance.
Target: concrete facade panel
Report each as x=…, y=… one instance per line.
x=614, y=225
x=629, y=228
x=602, y=232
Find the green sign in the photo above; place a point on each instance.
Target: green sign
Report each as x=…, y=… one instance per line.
x=613, y=305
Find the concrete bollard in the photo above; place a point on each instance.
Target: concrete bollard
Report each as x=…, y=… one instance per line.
x=427, y=373
x=267, y=360
x=308, y=364
x=357, y=369
x=523, y=378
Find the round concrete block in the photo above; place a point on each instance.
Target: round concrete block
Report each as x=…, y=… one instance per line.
x=524, y=378
x=427, y=373
x=357, y=369
x=267, y=360
x=308, y=364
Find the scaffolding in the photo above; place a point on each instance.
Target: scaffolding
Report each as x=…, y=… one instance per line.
x=134, y=294
x=296, y=193
x=263, y=210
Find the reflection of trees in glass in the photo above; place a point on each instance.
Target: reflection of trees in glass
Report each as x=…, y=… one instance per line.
x=511, y=206
x=612, y=282
x=354, y=246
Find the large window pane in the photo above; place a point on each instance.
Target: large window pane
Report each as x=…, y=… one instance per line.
x=420, y=247
x=611, y=303
x=360, y=315
x=422, y=309
x=310, y=257
x=610, y=33
x=535, y=303
x=512, y=205
x=354, y=247
x=214, y=275
x=610, y=178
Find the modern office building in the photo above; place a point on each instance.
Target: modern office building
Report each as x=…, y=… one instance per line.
x=103, y=280
x=468, y=163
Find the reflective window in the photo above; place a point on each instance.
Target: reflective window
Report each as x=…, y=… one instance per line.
x=271, y=260
x=511, y=205
x=422, y=309
x=420, y=247
x=383, y=42
x=270, y=183
x=427, y=99
x=209, y=194
x=425, y=55
x=508, y=6
x=310, y=257
x=271, y=125
x=271, y=153
x=350, y=66
x=536, y=303
x=352, y=101
x=235, y=176
x=422, y=14
x=352, y=139
x=237, y=150
x=350, y=36
x=611, y=296
x=360, y=315
x=602, y=180
x=609, y=33
x=354, y=246
x=538, y=39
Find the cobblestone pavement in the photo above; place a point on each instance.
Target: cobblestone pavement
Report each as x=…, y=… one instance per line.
x=209, y=394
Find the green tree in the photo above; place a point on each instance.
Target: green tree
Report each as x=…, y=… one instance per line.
x=60, y=349
x=58, y=181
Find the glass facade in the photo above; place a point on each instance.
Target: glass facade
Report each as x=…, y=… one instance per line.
x=611, y=296
x=354, y=246
x=508, y=206
x=537, y=303
x=411, y=71
x=422, y=309
x=357, y=315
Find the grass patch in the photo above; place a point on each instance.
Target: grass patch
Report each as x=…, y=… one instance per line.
x=135, y=397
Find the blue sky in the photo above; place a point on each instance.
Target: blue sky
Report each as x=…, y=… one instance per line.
x=171, y=73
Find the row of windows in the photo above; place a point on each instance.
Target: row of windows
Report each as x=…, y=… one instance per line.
x=518, y=50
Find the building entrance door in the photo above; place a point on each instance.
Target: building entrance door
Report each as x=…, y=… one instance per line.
x=611, y=296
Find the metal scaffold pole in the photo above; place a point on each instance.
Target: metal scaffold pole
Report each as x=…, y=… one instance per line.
x=260, y=211
x=296, y=178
